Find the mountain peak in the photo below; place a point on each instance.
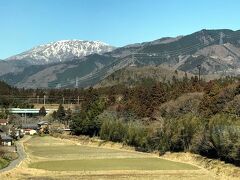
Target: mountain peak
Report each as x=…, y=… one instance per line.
x=63, y=50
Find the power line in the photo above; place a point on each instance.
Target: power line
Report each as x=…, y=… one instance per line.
x=162, y=53
x=174, y=52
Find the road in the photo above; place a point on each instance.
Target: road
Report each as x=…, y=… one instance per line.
x=21, y=155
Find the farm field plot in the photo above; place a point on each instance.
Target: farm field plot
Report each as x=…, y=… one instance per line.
x=55, y=158
x=112, y=164
x=69, y=151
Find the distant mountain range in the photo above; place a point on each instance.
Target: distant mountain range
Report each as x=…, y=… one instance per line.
x=61, y=51
x=82, y=63
x=54, y=52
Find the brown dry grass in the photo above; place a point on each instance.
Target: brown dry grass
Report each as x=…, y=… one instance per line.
x=215, y=167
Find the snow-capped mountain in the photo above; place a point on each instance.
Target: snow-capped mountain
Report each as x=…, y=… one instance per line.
x=60, y=51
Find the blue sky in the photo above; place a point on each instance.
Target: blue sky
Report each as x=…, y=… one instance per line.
x=27, y=23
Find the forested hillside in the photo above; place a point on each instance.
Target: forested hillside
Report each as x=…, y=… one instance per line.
x=185, y=114
x=132, y=76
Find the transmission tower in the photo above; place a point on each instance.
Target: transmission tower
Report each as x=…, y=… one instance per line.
x=59, y=86
x=76, y=83
x=133, y=61
x=221, y=38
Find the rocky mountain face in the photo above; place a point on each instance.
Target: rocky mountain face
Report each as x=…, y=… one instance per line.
x=215, y=52
x=61, y=51
x=55, y=52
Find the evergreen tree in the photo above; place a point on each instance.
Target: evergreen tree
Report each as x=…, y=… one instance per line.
x=61, y=113
x=54, y=115
x=42, y=111
x=3, y=114
x=68, y=116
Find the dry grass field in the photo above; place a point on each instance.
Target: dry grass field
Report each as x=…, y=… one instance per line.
x=55, y=158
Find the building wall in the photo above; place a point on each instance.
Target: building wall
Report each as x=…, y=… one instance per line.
x=6, y=143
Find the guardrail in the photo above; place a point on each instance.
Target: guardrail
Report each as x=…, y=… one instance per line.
x=27, y=111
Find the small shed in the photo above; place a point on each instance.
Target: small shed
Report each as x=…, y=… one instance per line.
x=6, y=140
x=3, y=122
x=30, y=132
x=43, y=124
x=30, y=126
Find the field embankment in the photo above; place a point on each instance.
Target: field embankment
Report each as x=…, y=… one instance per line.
x=217, y=167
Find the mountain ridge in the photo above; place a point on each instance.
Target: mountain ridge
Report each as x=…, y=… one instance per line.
x=217, y=52
x=60, y=51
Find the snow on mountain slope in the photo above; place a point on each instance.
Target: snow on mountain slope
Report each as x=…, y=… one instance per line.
x=60, y=51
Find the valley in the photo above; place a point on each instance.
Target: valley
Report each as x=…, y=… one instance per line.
x=47, y=156
x=119, y=89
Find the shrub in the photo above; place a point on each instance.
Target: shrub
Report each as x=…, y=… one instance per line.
x=225, y=136
x=113, y=130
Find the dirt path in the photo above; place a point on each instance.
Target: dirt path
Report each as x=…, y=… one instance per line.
x=21, y=155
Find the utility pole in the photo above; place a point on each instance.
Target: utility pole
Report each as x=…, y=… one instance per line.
x=25, y=117
x=37, y=99
x=78, y=100
x=199, y=72
x=63, y=100
x=44, y=100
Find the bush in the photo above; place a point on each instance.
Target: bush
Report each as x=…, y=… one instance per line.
x=175, y=134
x=87, y=122
x=136, y=135
x=82, y=125
x=113, y=130
x=185, y=104
x=117, y=130
x=225, y=136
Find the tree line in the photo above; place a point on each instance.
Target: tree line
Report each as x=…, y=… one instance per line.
x=186, y=115
x=181, y=115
